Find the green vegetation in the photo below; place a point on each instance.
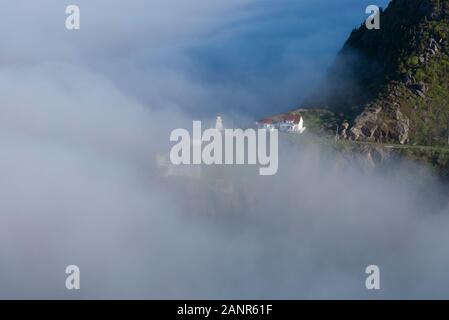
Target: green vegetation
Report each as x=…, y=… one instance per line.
x=320, y=119
x=403, y=68
x=391, y=86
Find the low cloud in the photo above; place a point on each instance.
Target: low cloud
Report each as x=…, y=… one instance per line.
x=82, y=118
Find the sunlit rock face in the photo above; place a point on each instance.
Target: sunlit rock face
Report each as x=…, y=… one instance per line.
x=392, y=84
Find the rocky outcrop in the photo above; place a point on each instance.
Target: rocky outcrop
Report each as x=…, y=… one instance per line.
x=366, y=125
x=392, y=84
x=372, y=126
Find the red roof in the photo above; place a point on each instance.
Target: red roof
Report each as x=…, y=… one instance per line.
x=265, y=121
x=292, y=118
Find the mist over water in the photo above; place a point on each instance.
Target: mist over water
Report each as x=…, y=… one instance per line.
x=83, y=117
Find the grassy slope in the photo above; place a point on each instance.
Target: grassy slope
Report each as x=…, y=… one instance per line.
x=378, y=64
x=381, y=69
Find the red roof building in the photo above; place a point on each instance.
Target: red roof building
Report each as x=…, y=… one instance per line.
x=265, y=121
x=291, y=118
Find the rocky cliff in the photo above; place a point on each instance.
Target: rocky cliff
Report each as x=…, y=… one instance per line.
x=392, y=84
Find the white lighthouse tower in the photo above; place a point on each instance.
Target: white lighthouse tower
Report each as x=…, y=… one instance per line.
x=219, y=123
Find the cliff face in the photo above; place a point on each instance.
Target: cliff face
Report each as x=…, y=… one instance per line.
x=392, y=84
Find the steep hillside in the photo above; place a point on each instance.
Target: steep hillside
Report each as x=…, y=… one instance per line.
x=392, y=84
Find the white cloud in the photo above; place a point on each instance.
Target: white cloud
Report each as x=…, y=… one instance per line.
x=78, y=139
